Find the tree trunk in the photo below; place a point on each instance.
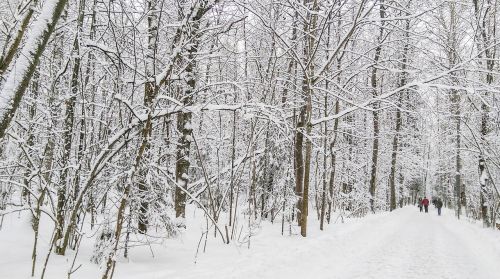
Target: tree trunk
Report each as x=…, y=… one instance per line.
x=376, y=128
x=395, y=141
x=69, y=120
x=485, y=39
x=395, y=146
x=150, y=93
x=325, y=144
x=307, y=90
x=333, y=162
x=184, y=125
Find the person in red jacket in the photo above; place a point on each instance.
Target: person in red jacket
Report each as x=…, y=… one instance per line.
x=425, y=203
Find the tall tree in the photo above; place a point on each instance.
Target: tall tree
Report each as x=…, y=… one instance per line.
x=374, y=82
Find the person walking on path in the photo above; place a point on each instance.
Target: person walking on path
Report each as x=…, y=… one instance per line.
x=439, y=205
x=420, y=204
x=425, y=203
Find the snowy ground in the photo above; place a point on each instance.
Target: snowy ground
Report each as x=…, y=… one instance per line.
x=401, y=244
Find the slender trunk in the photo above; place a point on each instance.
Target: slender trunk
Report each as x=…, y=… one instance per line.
x=307, y=170
x=325, y=158
x=325, y=142
x=395, y=146
x=233, y=150
x=111, y=260
x=307, y=89
x=458, y=136
x=150, y=93
x=395, y=141
x=333, y=163
x=36, y=228
x=31, y=137
x=69, y=120
x=184, y=125
x=485, y=38
x=299, y=161
x=264, y=194
x=376, y=128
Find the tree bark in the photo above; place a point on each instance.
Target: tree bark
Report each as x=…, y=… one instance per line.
x=307, y=90
x=299, y=161
x=376, y=128
x=395, y=141
x=150, y=93
x=69, y=120
x=184, y=125
x=484, y=40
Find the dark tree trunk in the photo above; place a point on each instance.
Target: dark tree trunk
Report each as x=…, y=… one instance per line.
x=376, y=128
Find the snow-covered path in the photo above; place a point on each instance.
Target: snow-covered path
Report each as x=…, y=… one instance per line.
x=401, y=244
x=410, y=244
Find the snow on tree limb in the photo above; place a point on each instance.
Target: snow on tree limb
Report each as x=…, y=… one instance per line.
x=22, y=71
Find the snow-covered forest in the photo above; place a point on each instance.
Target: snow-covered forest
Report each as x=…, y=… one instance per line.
x=135, y=127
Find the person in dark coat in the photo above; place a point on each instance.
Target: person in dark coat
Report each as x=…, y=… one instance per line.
x=420, y=204
x=439, y=205
x=425, y=203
